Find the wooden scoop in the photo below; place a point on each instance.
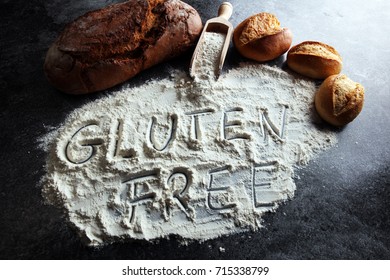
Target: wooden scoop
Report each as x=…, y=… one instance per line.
x=218, y=24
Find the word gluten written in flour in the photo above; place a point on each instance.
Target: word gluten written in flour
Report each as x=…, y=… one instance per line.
x=174, y=157
x=229, y=128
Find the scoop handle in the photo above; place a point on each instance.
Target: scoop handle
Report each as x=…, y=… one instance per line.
x=225, y=10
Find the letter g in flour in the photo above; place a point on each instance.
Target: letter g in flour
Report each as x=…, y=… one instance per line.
x=82, y=145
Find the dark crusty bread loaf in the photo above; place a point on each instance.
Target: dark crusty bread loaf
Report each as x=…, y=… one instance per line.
x=108, y=46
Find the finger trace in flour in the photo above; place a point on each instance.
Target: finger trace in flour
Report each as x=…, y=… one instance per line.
x=176, y=157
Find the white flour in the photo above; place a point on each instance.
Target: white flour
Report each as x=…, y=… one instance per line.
x=176, y=157
x=207, y=62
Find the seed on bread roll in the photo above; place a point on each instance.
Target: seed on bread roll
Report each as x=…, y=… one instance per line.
x=109, y=46
x=261, y=38
x=314, y=59
x=339, y=100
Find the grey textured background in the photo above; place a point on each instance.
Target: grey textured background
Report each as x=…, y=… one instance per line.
x=342, y=205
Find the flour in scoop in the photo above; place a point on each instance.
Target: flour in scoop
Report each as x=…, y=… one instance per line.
x=207, y=61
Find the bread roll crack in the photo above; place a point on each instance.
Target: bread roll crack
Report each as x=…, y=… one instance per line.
x=339, y=100
x=258, y=26
x=346, y=95
x=316, y=49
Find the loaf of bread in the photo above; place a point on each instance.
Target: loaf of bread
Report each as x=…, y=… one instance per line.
x=261, y=38
x=339, y=100
x=108, y=46
x=314, y=59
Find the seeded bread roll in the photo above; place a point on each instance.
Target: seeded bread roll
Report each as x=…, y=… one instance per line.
x=109, y=46
x=339, y=100
x=261, y=38
x=314, y=59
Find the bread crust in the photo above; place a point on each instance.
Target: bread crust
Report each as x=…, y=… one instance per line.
x=108, y=46
x=339, y=100
x=267, y=44
x=314, y=59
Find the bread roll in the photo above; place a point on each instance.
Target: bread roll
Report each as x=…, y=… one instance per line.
x=339, y=100
x=314, y=59
x=261, y=38
x=108, y=46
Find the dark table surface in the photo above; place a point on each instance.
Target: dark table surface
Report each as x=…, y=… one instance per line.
x=341, y=209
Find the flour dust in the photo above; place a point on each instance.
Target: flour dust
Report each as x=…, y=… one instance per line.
x=176, y=157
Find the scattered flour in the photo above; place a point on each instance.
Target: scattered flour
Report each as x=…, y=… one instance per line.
x=176, y=157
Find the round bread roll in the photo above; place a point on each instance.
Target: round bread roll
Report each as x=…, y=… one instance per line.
x=339, y=100
x=314, y=59
x=261, y=38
